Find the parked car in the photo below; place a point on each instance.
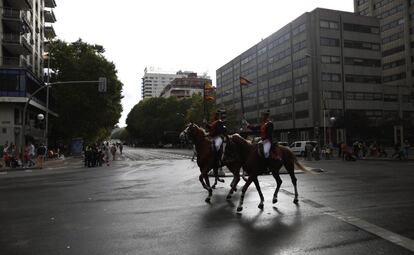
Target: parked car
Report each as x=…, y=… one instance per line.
x=298, y=147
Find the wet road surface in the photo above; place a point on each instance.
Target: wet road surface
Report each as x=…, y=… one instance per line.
x=151, y=202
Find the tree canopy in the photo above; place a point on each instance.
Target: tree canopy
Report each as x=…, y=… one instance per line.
x=83, y=111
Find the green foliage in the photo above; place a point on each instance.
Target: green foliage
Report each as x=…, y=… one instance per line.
x=83, y=111
x=151, y=119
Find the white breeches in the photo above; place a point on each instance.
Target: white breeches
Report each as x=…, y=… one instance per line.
x=266, y=147
x=217, y=142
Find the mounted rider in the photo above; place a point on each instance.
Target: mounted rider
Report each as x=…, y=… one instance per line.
x=216, y=131
x=266, y=135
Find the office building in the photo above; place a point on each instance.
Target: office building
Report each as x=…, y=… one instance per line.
x=397, y=43
x=24, y=25
x=154, y=82
x=186, y=87
x=314, y=75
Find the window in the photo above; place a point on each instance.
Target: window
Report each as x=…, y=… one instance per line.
x=363, y=62
x=328, y=24
x=332, y=42
x=393, y=51
x=300, y=63
x=352, y=78
x=299, y=46
x=390, y=12
x=330, y=59
x=390, y=98
x=302, y=114
x=361, y=2
x=301, y=97
x=393, y=64
x=382, y=3
x=392, y=24
x=361, y=28
x=393, y=37
x=299, y=29
x=334, y=77
x=362, y=45
x=394, y=77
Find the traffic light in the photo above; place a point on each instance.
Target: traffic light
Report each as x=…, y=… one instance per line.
x=102, y=84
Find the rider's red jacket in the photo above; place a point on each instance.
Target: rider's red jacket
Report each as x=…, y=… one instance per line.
x=265, y=128
x=216, y=128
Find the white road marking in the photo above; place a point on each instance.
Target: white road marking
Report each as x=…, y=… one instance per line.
x=361, y=224
x=28, y=171
x=3, y=173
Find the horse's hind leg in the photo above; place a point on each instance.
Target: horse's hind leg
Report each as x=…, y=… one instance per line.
x=279, y=183
x=256, y=183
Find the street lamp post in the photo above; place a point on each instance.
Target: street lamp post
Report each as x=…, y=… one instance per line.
x=102, y=88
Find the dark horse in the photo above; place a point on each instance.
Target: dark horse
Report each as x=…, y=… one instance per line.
x=205, y=159
x=243, y=151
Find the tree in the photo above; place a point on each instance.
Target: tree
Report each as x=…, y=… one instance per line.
x=83, y=111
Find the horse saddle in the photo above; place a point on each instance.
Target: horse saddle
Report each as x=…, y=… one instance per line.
x=275, y=152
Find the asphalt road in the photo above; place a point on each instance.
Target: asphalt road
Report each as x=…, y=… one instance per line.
x=151, y=202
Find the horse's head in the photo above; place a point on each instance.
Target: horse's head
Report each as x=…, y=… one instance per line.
x=192, y=132
x=237, y=147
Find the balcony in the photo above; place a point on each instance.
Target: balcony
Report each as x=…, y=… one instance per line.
x=16, y=44
x=15, y=20
x=49, y=16
x=14, y=62
x=50, y=3
x=20, y=4
x=50, y=32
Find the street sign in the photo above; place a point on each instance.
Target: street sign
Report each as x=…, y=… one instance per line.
x=102, y=84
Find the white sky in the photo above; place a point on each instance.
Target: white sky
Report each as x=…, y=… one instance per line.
x=193, y=35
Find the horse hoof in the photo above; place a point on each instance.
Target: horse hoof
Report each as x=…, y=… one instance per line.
x=221, y=180
x=239, y=209
x=261, y=206
x=235, y=189
x=295, y=200
x=228, y=197
x=214, y=186
x=274, y=200
x=207, y=200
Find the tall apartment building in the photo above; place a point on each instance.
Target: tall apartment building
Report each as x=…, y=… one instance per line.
x=24, y=24
x=153, y=83
x=313, y=74
x=397, y=42
x=185, y=87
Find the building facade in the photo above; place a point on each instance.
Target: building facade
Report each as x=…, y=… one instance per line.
x=24, y=26
x=397, y=42
x=153, y=83
x=185, y=87
x=312, y=74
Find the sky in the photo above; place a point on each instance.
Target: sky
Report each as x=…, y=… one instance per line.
x=173, y=35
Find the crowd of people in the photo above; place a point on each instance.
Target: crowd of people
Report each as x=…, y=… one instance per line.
x=357, y=150
x=33, y=156
x=98, y=154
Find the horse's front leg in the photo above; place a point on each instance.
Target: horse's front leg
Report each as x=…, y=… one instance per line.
x=244, y=189
x=204, y=175
x=233, y=185
x=259, y=190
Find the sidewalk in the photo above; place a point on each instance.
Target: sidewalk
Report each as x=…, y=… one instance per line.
x=50, y=163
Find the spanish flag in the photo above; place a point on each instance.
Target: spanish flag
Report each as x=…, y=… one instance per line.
x=244, y=81
x=208, y=86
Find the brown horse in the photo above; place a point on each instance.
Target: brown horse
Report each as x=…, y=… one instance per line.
x=205, y=160
x=254, y=164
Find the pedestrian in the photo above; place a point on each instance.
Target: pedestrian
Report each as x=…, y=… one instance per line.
x=41, y=153
x=113, y=151
x=106, y=150
x=308, y=151
x=121, y=147
x=406, y=147
x=31, y=154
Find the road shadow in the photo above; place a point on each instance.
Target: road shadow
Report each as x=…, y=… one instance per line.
x=254, y=231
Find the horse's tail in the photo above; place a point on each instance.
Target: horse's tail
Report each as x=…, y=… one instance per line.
x=301, y=167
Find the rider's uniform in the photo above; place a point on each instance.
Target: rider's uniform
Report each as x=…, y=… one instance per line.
x=216, y=130
x=266, y=135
